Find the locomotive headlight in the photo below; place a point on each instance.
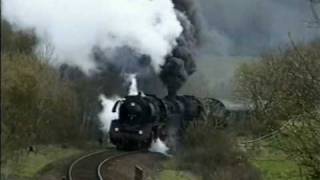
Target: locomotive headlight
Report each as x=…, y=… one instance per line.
x=140, y=132
x=116, y=129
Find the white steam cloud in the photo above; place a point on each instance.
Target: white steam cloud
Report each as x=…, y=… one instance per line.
x=107, y=116
x=74, y=27
x=159, y=147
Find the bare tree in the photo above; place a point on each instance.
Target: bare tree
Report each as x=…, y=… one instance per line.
x=284, y=89
x=314, y=6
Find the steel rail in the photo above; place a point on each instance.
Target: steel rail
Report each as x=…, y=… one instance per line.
x=102, y=163
x=81, y=158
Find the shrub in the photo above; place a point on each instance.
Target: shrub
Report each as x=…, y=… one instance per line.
x=301, y=142
x=213, y=154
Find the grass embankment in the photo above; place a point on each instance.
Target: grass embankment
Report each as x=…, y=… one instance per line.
x=177, y=175
x=28, y=165
x=266, y=156
x=170, y=172
x=273, y=163
x=278, y=169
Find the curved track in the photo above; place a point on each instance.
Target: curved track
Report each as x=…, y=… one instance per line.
x=112, y=165
x=122, y=166
x=85, y=167
x=108, y=160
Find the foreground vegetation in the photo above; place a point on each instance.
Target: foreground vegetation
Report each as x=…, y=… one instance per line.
x=28, y=165
x=284, y=89
x=212, y=153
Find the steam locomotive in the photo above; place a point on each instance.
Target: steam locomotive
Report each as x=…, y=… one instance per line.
x=143, y=118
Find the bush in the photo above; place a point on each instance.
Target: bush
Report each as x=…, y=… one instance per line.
x=301, y=142
x=213, y=154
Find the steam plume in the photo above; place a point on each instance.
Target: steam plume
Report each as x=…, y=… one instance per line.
x=75, y=27
x=133, y=89
x=159, y=147
x=107, y=116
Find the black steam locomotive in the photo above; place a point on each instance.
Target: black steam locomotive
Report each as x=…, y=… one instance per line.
x=143, y=118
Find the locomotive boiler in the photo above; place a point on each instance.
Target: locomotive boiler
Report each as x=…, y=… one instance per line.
x=143, y=118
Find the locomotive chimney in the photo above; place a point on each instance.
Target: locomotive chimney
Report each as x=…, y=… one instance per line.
x=172, y=93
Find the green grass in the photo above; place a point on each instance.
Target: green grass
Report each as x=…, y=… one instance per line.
x=278, y=169
x=274, y=164
x=170, y=172
x=176, y=175
x=28, y=165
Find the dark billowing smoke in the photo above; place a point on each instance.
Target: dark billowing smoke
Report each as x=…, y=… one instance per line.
x=191, y=9
x=180, y=63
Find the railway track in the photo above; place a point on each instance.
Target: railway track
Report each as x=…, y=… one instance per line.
x=122, y=167
x=108, y=160
x=112, y=165
x=84, y=168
